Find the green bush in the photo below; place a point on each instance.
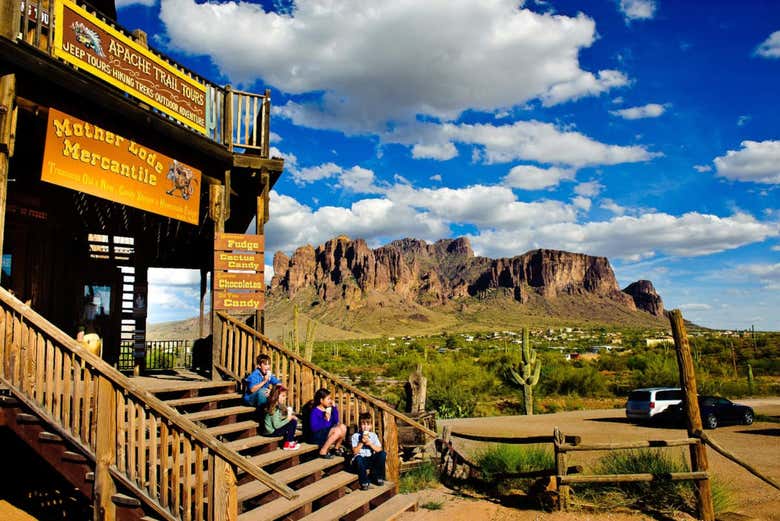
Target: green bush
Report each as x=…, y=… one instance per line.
x=498, y=460
x=565, y=379
x=418, y=478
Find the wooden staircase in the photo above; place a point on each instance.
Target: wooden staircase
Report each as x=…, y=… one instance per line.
x=326, y=488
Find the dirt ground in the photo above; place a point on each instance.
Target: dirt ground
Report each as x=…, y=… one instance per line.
x=758, y=444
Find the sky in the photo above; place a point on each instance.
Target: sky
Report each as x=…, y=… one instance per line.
x=645, y=131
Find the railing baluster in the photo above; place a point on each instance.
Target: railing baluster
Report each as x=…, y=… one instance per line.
x=131, y=440
x=199, y=482
x=57, y=403
x=142, y=473
x=77, y=392
x=176, y=472
x=67, y=386
x=186, y=481
x=164, y=465
x=153, y=451
x=48, y=402
x=86, y=406
x=121, y=432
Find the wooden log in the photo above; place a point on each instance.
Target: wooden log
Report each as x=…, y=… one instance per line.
x=223, y=490
x=571, y=441
x=727, y=454
x=627, y=445
x=104, y=508
x=561, y=469
x=390, y=444
x=698, y=452
x=635, y=478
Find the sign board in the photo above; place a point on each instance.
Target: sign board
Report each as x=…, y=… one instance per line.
x=224, y=280
x=87, y=42
x=225, y=260
x=239, y=241
x=239, y=301
x=85, y=157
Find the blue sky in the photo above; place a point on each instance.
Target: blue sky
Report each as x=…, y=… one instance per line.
x=644, y=131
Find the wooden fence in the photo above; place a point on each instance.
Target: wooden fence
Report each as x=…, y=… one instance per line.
x=134, y=439
x=237, y=347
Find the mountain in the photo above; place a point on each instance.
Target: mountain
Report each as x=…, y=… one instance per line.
x=410, y=286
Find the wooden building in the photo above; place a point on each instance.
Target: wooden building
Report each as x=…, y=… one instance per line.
x=77, y=245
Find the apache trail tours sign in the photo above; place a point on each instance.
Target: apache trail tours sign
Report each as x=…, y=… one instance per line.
x=87, y=158
x=85, y=41
x=242, y=288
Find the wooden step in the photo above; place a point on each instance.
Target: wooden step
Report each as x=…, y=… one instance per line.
x=49, y=437
x=251, y=443
x=194, y=386
x=23, y=417
x=208, y=398
x=392, y=508
x=348, y=504
x=74, y=456
x=213, y=414
x=253, y=489
x=89, y=476
x=125, y=500
x=231, y=428
x=261, y=460
x=308, y=494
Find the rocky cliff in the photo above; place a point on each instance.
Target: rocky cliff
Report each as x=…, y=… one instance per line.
x=430, y=274
x=645, y=297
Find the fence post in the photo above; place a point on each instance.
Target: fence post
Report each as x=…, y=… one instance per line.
x=105, y=448
x=561, y=467
x=223, y=492
x=698, y=452
x=390, y=444
x=227, y=118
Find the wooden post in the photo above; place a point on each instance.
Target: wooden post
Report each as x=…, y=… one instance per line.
x=7, y=135
x=417, y=392
x=561, y=468
x=216, y=211
x=691, y=402
x=103, y=506
x=259, y=230
x=223, y=492
x=9, y=19
x=227, y=115
x=203, y=288
x=390, y=444
x=266, y=123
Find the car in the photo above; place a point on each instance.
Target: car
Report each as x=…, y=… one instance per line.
x=714, y=411
x=645, y=403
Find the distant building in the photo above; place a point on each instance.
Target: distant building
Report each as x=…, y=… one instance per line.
x=652, y=342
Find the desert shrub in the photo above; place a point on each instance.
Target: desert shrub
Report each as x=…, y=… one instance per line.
x=455, y=387
x=497, y=460
x=420, y=477
x=563, y=379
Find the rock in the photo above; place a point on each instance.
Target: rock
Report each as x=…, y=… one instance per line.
x=345, y=269
x=645, y=297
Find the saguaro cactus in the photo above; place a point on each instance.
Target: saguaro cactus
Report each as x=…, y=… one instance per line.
x=292, y=341
x=527, y=374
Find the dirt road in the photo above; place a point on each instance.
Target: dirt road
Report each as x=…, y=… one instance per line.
x=758, y=444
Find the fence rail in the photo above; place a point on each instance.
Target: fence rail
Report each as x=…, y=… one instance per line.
x=178, y=469
x=234, y=119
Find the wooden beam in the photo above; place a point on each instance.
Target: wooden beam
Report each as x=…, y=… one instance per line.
x=9, y=19
x=223, y=490
x=105, y=449
x=7, y=137
x=257, y=163
x=216, y=212
x=698, y=452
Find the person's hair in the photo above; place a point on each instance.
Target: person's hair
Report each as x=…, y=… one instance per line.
x=262, y=358
x=320, y=395
x=273, y=398
x=365, y=417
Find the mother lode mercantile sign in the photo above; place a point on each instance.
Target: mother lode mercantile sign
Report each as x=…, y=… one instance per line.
x=83, y=40
x=85, y=157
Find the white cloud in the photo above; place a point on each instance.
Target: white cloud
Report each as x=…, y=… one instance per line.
x=435, y=177
x=692, y=234
x=528, y=141
x=120, y=4
x=756, y=161
x=440, y=151
x=637, y=9
x=702, y=168
x=651, y=110
x=581, y=202
x=589, y=189
x=768, y=274
x=315, y=173
x=612, y=206
x=359, y=180
x=770, y=48
x=743, y=120
x=173, y=277
x=530, y=177
x=366, y=60
x=694, y=306
x=268, y=273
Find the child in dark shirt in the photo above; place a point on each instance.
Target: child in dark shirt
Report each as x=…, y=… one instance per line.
x=326, y=431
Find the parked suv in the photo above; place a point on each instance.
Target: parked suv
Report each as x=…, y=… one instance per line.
x=643, y=404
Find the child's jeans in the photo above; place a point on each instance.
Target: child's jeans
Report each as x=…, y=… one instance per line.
x=287, y=430
x=375, y=463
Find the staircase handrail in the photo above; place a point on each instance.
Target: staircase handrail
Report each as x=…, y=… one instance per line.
x=149, y=400
x=374, y=401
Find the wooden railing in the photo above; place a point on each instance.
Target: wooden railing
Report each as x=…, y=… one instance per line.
x=239, y=345
x=235, y=119
x=173, y=465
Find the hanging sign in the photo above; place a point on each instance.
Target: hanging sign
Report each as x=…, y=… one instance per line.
x=87, y=158
x=239, y=284
x=87, y=42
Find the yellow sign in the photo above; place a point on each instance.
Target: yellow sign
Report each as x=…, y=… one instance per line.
x=85, y=157
x=85, y=41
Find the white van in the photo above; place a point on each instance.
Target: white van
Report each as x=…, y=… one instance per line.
x=645, y=403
